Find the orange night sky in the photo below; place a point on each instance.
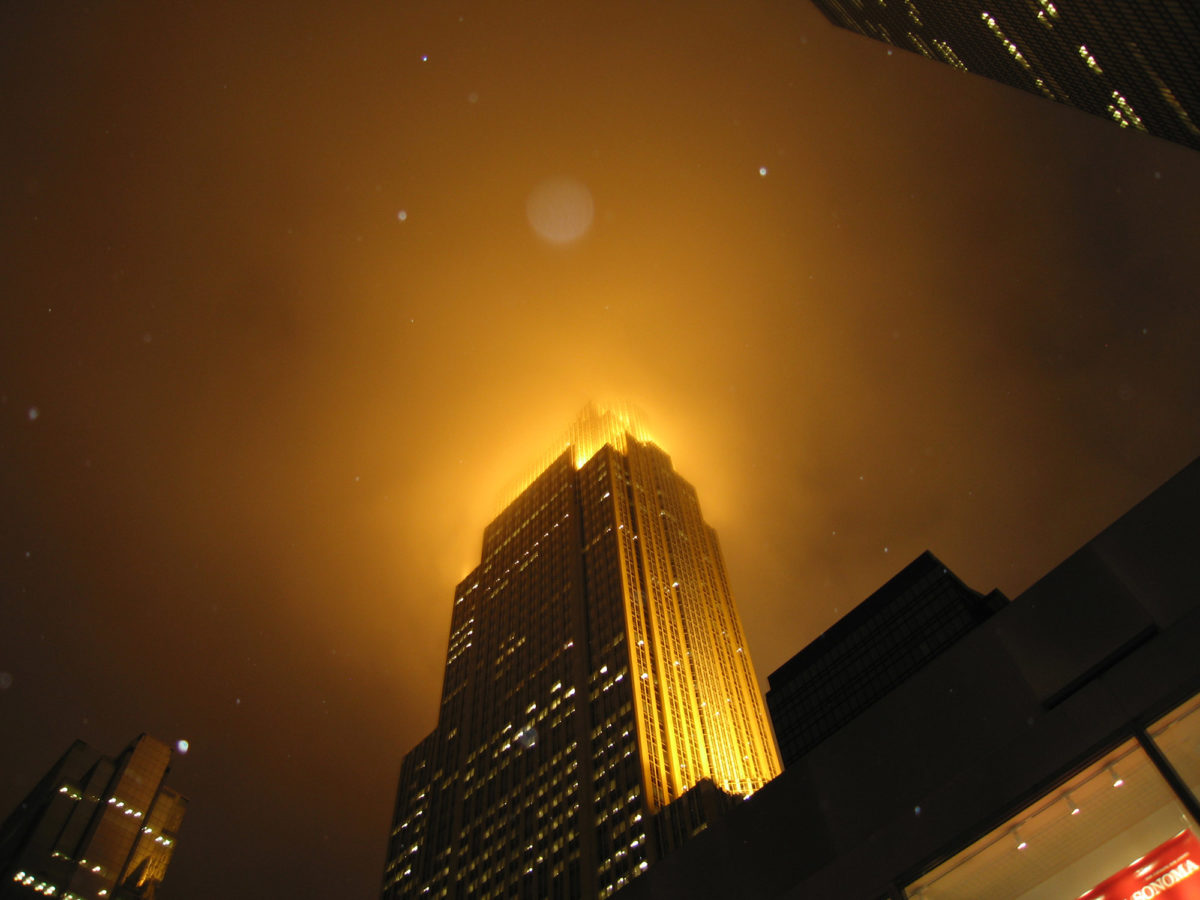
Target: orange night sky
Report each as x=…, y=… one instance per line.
x=280, y=327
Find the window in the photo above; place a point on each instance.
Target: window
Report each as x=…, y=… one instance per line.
x=1071, y=839
x=1177, y=735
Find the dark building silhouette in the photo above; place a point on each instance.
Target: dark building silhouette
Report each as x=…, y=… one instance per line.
x=1133, y=62
x=1052, y=751
x=877, y=646
x=94, y=828
x=598, y=703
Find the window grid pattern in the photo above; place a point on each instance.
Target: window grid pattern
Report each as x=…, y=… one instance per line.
x=553, y=753
x=1132, y=62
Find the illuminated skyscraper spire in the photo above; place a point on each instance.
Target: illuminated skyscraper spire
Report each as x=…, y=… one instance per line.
x=597, y=425
x=600, y=425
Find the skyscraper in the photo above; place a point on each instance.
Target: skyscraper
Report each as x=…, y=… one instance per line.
x=94, y=828
x=598, y=701
x=1134, y=62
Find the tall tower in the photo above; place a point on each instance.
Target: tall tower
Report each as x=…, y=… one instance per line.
x=598, y=702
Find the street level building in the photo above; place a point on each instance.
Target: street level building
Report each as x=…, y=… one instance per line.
x=598, y=705
x=94, y=828
x=1133, y=62
x=878, y=645
x=1052, y=751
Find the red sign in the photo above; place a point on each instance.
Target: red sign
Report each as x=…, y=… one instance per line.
x=1165, y=872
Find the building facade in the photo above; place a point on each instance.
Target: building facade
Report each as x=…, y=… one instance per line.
x=598, y=702
x=94, y=828
x=1134, y=62
x=1051, y=751
x=875, y=647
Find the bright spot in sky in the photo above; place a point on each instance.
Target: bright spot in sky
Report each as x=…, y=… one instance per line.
x=181, y=746
x=33, y=413
x=424, y=57
x=402, y=215
x=762, y=170
x=560, y=209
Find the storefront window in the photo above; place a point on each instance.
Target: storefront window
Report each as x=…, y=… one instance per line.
x=1112, y=830
x=1177, y=735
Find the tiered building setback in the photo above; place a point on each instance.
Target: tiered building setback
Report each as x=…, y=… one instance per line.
x=596, y=673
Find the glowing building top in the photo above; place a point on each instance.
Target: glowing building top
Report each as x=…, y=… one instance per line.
x=600, y=425
x=597, y=425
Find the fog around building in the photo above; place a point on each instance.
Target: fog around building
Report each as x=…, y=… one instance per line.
x=294, y=292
